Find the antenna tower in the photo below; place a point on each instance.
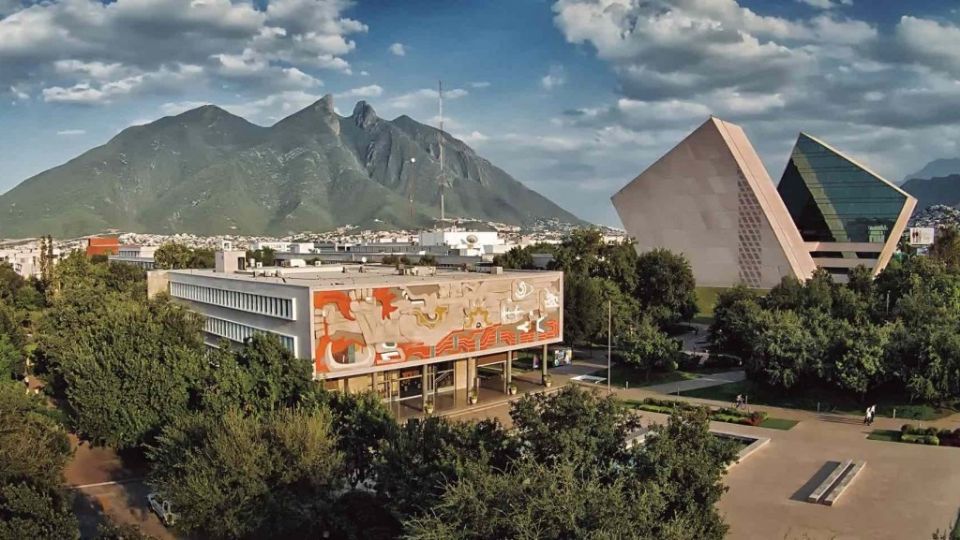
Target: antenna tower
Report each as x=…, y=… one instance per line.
x=440, y=145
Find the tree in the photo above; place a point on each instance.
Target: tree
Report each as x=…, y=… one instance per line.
x=535, y=500
x=782, y=351
x=946, y=247
x=665, y=286
x=646, y=347
x=172, y=255
x=573, y=424
x=519, y=258
x=735, y=323
x=687, y=463
x=265, y=255
x=427, y=260
x=33, y=451
x=28, y=512
x=272, y=475
x=858, y=357
x=425, y=454
x=11, y=360
x=668, y=488
x=126, y=369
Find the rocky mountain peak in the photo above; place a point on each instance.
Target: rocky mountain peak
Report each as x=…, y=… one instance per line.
x=364, y=115
x=325, y=104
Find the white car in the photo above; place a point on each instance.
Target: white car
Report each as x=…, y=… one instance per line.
x=162, y=508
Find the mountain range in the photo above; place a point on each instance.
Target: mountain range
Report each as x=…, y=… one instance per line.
x=207, y=171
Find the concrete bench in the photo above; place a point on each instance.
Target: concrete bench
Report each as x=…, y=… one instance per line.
x=844, y=482
x=829, y=481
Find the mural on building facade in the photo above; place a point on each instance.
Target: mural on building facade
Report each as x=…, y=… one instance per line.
x=366, y=327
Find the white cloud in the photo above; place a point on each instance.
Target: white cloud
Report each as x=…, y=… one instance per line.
x=71, y=132
x=398, y=49
x=826, y=4
x=86, y=93
x=369, y=91
x=422, y=96
x=273, y=107
x=556, y=77
x=83, y=43
x=473, y=138
x=19, y=94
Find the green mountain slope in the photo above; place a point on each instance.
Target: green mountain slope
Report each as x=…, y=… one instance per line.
x=929, y=192
x=206, y=171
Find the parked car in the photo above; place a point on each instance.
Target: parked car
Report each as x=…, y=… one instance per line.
x=161, y=507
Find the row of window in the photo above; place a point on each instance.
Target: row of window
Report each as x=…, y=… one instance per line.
x=240, y=332
x=254, y=303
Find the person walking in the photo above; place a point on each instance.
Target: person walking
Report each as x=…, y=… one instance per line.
x=873, y=413
x=866, y=417
x=739, y=402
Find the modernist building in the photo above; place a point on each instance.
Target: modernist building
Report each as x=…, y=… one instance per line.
x=847, y=215
x=407, y=334
x=711, y=198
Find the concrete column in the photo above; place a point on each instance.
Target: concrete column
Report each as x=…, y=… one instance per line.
x=423, y=385
x=471, y=374
x=509, y=368
x=543, y=365
x=375, y=381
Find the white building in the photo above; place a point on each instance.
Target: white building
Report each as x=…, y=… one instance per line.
x=142, y=256
x=25, y=259
x=471, y=243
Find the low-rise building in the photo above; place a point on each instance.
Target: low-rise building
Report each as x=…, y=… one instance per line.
x=407, y=334
x=142, y=256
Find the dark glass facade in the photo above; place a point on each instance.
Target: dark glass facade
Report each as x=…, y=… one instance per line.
x=831, y=199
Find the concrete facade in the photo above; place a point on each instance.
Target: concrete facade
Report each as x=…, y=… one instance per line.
x=404, y=333
x=711, y=199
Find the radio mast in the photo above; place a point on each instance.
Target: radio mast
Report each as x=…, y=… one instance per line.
x=440, y=145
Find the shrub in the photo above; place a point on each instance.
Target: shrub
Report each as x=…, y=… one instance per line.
x=689, y=362
x=932, y=440
x=721, y=361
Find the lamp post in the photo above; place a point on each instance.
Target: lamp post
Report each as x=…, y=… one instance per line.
x=609, y=343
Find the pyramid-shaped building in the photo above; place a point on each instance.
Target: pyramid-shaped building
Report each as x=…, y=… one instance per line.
x=711, y=199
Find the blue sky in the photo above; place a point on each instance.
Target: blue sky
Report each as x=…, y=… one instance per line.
x=572, y=97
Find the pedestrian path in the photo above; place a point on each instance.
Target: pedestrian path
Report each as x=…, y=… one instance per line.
x=703, y=381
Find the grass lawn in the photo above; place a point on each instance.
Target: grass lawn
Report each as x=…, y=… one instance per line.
x=621, y=375
x=828, y=400
x=706, y=299
x=778, y=423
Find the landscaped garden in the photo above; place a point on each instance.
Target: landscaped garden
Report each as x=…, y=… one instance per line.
x=913, y=434
x=729, y=415
x=820, y=399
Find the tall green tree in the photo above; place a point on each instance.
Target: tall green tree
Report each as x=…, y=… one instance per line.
x=646, y=347
x=665, y=286
x=271, y=475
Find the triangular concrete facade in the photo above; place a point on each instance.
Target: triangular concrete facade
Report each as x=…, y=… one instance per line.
x=711, y=199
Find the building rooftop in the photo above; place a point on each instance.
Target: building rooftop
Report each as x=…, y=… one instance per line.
x=332, y=276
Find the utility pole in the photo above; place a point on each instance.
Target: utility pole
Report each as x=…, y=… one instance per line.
x=440, y=146
x=609, y=343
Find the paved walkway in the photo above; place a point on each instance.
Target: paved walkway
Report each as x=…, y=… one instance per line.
x=905, y=491
x=702, y=381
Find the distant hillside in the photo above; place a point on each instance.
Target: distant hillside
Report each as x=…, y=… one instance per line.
x=945, y=191
x=207, y=171
x=937, y=168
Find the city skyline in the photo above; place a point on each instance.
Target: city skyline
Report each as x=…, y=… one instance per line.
x=573, y=98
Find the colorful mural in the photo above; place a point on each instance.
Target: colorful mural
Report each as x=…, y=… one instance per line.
x=357, y=329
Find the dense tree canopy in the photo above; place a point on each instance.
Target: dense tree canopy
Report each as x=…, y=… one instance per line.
x=899, y=332
x=176, y=256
